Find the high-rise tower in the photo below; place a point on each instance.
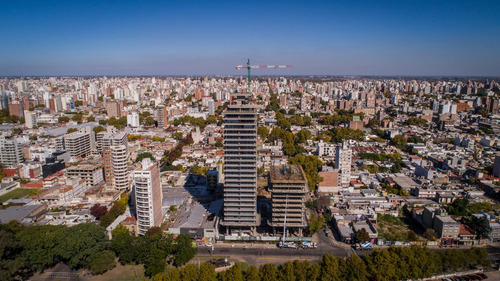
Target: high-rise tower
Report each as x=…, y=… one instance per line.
x=343, y=156
x=240, y=159
x=148, y=196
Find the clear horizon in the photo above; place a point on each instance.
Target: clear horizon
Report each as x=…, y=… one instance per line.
x=197, y=38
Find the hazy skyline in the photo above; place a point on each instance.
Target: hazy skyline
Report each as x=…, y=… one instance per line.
x=450, y=38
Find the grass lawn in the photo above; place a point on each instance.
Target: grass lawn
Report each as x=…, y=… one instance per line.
x=243, y=265
x=18, y=194
x=122, y=272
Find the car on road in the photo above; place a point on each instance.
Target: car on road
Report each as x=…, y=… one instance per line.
x=209, y=244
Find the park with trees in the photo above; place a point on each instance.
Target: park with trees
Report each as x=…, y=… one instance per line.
x=395, y=263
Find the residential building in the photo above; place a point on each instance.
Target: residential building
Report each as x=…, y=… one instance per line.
x=92, y=173
x=288, y=187
x=343, y=155
x=115, y=160
x=29, y=119
x=114, y=109
x=16, y=109
x=148, y=195
x=240, y=159
x=161, y=116
x=326, y=149
x=78, y=144
x=107, y=139
x=10, y=151
x=133, y=119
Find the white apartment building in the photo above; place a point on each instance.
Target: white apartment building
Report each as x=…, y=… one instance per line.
x=148, y=195
x=29, y=119
x=343, y=155
x=116, y=172
x=107, y=139
x=10, y=151
x=326, y=149
x=133, y=119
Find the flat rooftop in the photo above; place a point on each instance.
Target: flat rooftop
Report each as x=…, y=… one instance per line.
x=288, y=173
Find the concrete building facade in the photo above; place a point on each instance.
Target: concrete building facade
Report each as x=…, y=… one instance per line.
x=288, y=187
x=240, y=159
x=10, y=151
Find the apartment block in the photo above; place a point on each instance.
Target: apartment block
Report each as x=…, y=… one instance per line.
x=78, y=144
x=240, y=165
x=288, y=187
x=148, y=195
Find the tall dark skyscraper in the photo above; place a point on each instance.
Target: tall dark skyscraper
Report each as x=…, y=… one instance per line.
x=240, y=165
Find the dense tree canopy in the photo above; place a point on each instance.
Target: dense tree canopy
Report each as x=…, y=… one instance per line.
x=311, y=165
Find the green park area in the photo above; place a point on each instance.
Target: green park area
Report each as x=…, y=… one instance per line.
x=18, y=194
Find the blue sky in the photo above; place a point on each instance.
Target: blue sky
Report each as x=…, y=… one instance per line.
x=211, y=37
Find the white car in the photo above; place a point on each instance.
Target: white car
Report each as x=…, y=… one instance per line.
x=209, y=244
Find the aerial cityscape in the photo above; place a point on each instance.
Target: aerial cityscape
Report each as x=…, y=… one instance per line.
x=293, y=157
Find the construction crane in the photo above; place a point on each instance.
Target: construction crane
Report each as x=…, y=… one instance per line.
x=248, y=67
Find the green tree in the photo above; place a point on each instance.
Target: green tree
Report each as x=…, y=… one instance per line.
x=481, y=226
x=91, y=119
x=287, y=272
x=268, y=272
x=211, y=119
x=145, y=155
x=459, y=207
x=124, y=245
x=71, y=130
x=77, y=118
x=329, y=268
x=149, y=121
x=302, y=136
x=177, y=135
x=276, y=134
x=307, y=120
x=98, y=129
x=234, y=273
x=362, y=235
x=154, y=262
x=63, y=119
x=353, y=269
x=207, y=272
x=263, y=132
x=311, y=165
x=316, y=223
x=218, y=143
x=252, y=274
x=11, y=260
x=183, y=249
x=102, y=262
x=399, y=141
x=189, y=273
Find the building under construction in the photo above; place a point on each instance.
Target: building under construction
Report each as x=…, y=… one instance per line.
x=288, y=187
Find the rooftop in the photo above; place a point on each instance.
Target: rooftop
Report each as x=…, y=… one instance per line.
x=288, y=173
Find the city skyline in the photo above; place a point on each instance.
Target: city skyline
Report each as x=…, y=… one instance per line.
x=158, y=39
